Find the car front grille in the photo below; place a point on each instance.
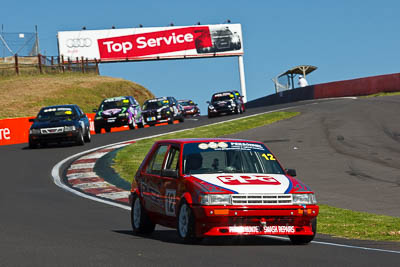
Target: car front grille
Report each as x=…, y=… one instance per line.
x=262, y=199
x=52, y=130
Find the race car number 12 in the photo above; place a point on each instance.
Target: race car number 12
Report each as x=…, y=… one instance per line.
x=268, y=156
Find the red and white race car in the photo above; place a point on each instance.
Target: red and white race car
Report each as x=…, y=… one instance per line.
x=220, y=187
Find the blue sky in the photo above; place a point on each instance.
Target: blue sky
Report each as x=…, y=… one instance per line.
x=344, y=39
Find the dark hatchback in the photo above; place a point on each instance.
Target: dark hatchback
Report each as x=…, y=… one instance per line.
x=224, y=103
x=162, y=109
x=55, y=124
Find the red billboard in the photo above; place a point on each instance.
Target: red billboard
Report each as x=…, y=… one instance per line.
x=152, y=43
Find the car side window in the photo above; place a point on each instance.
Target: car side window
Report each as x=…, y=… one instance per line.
x=173, y=159
x=156, y=163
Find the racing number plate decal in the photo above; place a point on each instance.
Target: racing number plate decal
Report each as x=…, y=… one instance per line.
x=170, y=202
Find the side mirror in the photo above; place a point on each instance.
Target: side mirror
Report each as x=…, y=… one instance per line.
x=170, y=173
x=95, y=110
x=31, y=120
x=291, y=172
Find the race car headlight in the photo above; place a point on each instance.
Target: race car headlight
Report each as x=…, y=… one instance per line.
x=215, y=199
x=210, y=106
x=123, y=115
x=34, y=131
x=69, y=128
x=304, y=199
x=98, y=118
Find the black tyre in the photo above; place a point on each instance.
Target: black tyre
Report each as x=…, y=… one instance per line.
x=186, y=224
x=141, y=123
x=88, y=136
x=210, y=116
x=80, y=141
x=32, y=144
x=108, y=129
x=141, y=223
x=97, y=130
x=171, y=121
x=304, y=239
x=132, y=125
x=182, y=118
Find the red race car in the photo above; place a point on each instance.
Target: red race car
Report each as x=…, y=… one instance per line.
x=220, y=187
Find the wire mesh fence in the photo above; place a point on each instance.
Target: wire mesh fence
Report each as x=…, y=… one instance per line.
x=30, y=65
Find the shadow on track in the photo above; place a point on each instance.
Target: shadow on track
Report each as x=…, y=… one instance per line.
x=170, y=236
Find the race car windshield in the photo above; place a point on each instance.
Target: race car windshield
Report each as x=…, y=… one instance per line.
x=229, y=157
x=221, y=98
x=155, y=104
x=55, y=114
x=114, y=104
x=186, y=103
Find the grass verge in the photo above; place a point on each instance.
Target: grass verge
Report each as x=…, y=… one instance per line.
x=381, y=94
x=357, y=225
x=22, y=96
x=332, y=221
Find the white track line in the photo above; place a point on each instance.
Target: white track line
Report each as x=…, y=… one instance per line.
x=339, y=245
x=55, y=172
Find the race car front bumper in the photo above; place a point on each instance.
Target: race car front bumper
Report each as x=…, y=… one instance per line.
x=254, y=220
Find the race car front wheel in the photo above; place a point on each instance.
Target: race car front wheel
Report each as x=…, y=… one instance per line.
x=305, y=239
x=186, y=224
x=141, y=223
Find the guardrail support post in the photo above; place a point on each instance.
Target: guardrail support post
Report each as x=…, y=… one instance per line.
x=97, y=67
x=40, y=63
x=16, y=64
x=83, y=65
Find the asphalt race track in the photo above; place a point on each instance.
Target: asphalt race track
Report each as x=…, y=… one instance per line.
x=347, y=150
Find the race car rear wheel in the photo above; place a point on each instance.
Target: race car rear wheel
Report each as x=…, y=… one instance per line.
x=141, y=223
x=80, y=139
x=97, y=130
x=108, y=129
x=88, y=136
x=186, y=224
x=305, y=239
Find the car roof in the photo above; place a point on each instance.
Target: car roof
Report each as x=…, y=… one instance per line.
x=115, y=98
x=201, y=140
x=223, y=92
x=62, y=106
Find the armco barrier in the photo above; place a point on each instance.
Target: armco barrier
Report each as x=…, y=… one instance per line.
x=355, y=87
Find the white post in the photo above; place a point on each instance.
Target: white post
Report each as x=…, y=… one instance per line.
x=242, y=79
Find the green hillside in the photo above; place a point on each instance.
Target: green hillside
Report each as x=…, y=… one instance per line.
x=25, y=95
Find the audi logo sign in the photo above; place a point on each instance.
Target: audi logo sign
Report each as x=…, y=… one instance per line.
x=152, y=43
x=79, y=42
